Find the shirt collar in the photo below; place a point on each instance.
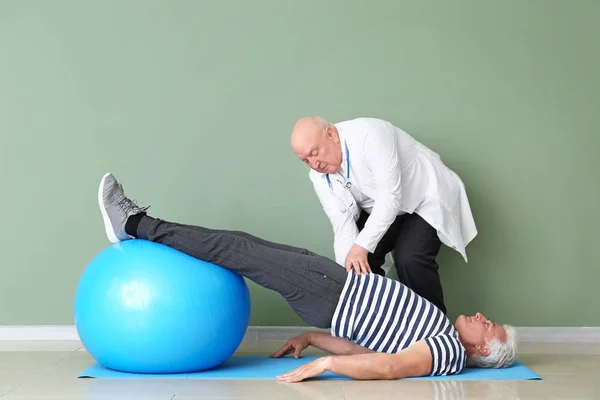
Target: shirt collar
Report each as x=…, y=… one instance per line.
x=343, y=144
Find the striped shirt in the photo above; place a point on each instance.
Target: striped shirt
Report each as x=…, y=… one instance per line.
x=386, y=316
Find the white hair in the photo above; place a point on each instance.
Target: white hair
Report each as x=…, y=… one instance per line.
x=502, y=354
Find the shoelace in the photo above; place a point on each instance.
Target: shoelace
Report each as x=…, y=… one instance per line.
x=129, y=206
x=126, y=205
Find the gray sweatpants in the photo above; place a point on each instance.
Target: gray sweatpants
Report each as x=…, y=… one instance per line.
x=310, y=283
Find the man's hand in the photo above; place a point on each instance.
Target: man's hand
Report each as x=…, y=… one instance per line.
x=416, y=360
x=357, y=259
x=313, y=368
x=295, y=345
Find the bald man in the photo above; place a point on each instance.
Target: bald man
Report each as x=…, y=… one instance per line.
x=384, y=192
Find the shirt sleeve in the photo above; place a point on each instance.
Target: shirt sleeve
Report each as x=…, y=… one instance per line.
x=381, y=155
x=448, y=355
x=344, y=227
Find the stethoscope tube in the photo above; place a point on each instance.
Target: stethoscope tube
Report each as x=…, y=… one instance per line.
x=348, y=184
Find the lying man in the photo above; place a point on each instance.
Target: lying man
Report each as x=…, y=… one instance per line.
x=380, y=329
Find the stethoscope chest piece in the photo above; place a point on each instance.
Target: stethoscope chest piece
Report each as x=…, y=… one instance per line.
x=348, y=185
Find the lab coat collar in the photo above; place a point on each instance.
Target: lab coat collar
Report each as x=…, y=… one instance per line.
x=343, y=171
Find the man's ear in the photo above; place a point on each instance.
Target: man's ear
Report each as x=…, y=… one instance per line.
x=483, y=349
x=331, y=133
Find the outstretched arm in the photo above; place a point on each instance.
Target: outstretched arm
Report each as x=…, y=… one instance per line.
x=414, y=361
x=344, y=226
x=382, y=155
x=320, y=340
x=336, y=345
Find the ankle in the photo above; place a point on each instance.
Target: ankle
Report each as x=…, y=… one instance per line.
x=132, y=224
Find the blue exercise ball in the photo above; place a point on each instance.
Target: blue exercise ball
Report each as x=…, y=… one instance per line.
x=143, y=307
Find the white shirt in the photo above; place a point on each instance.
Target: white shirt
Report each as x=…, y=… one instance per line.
x=390, y=173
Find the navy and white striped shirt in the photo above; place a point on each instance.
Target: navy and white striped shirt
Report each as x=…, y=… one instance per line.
x=386, y=316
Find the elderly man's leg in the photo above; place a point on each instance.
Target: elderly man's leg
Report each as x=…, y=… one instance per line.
x=310, y=283
x=273, y=245
x=417, y=247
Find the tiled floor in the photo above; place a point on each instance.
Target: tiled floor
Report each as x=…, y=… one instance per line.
x=46, y=370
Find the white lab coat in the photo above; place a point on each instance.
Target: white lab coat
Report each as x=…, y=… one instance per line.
x=390, y=174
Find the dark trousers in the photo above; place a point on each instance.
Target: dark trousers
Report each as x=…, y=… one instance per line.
x=310, y=283
x=415, y=247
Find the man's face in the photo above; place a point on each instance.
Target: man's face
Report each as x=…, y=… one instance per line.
x=321, y=152
x=474, y=330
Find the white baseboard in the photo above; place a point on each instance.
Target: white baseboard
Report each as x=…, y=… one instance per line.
x=559, y=334
x=38, y=332
x=265, y=333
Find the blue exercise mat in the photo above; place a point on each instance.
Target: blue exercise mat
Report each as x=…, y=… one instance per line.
x=263, y=367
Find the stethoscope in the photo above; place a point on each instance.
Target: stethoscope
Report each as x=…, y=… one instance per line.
x=348, y=184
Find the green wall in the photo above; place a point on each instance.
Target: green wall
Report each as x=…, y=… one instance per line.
x=190, y=104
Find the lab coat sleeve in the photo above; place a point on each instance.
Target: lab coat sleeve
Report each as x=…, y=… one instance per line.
x=344, y=226
x=381, y=156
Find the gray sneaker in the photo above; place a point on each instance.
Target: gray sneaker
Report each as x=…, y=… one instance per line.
x=115, y=208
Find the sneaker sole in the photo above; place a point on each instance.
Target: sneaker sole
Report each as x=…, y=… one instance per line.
x=107, y=225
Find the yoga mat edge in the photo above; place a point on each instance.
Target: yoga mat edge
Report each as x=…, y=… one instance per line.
x=262, y=367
